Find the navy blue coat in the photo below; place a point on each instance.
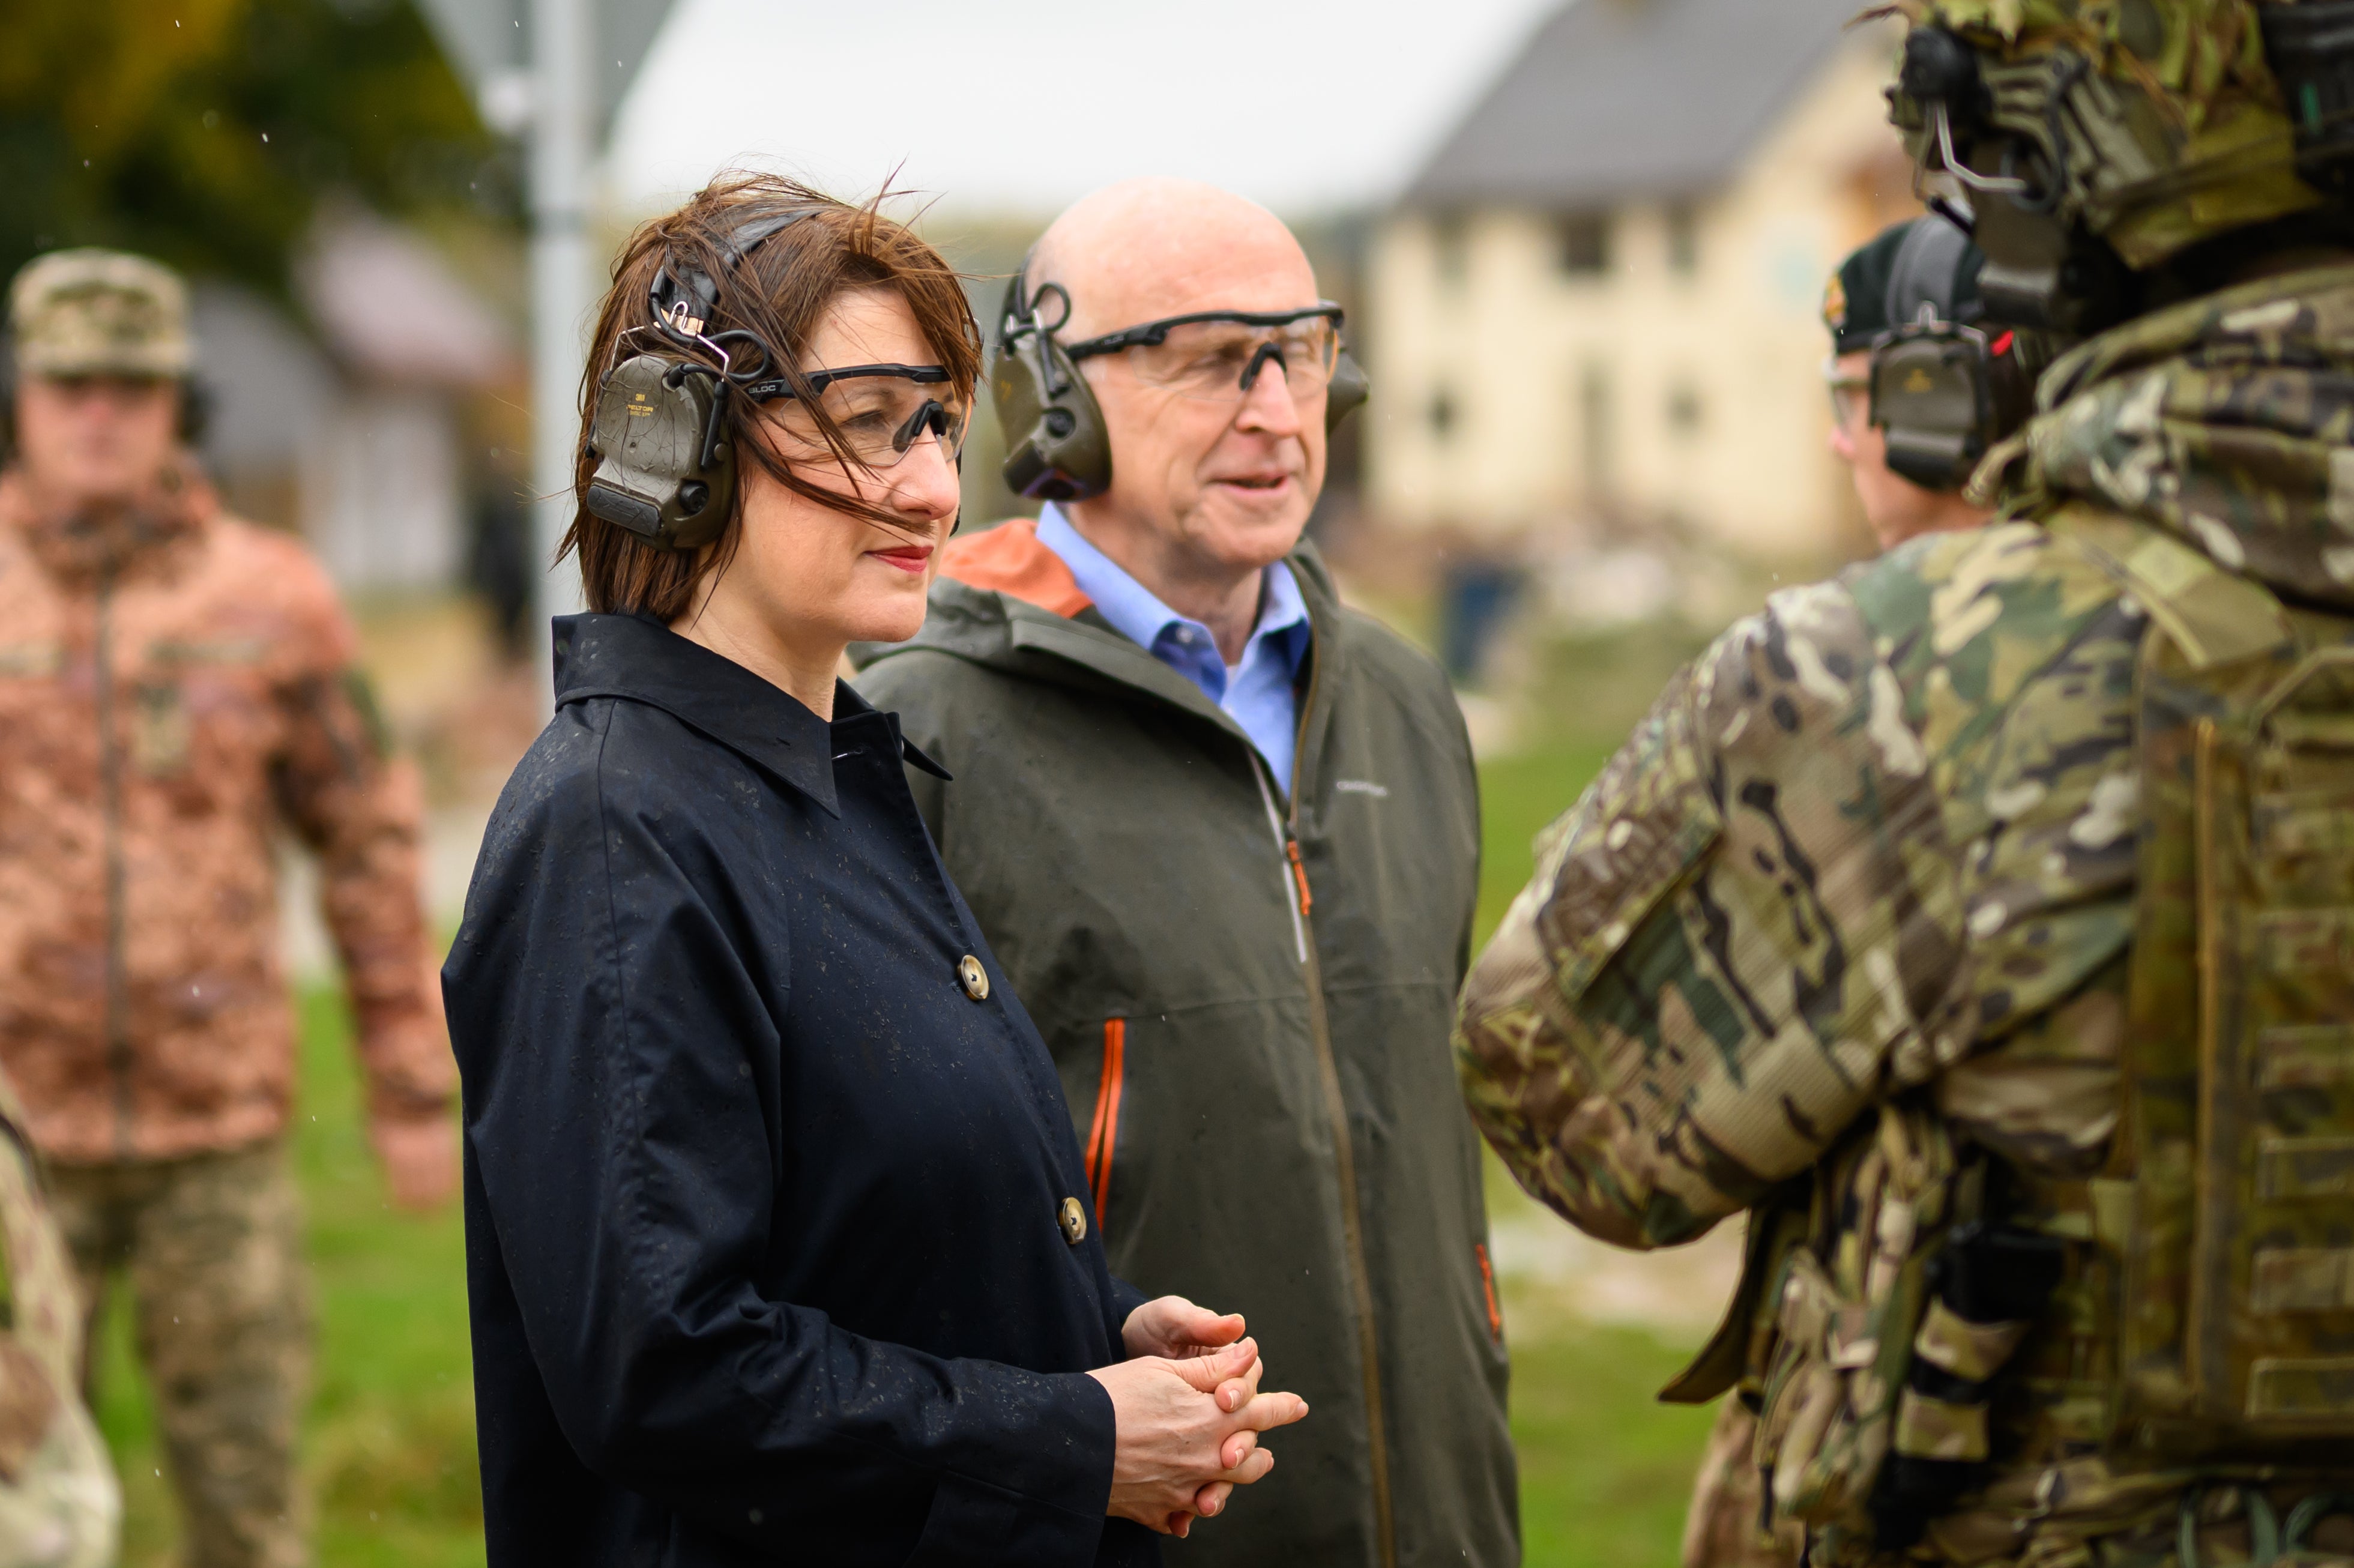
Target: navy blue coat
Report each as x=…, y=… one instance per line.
x=763, y=1209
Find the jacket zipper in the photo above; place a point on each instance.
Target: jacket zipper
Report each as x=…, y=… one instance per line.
x=110, y=787
x=1344, y=1157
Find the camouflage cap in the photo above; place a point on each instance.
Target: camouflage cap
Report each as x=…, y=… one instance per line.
x=98, y=313
x=2163, y=115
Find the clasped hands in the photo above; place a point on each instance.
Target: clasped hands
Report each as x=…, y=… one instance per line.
x=1188, y=1413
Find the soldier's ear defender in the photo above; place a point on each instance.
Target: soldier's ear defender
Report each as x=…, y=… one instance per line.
x=1946, y=394
x=665, y=469
x=1057, y=447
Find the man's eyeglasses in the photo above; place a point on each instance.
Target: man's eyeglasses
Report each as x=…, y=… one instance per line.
x=882, y=411
x=1218, y=356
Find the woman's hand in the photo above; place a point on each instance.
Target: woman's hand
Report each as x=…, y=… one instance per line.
x=1173, y=1327
x=1188, y=1433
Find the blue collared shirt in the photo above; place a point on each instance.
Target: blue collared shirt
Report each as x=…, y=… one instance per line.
x=1256, y=694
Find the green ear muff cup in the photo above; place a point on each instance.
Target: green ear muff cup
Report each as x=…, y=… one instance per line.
x=1931, y=395
x=648, y=436
x=1056, y=447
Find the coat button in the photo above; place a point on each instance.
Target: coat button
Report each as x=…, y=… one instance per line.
x=975, y=978
x=1075, y=1221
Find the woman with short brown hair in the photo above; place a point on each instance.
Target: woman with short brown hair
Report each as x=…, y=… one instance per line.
x=778, y=1240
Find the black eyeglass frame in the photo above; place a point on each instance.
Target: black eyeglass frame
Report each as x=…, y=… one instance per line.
x=777, y=386
x=1152, y=334
x=933, y=414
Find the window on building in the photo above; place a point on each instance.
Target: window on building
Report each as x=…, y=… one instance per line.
x=1684, y=409
x=1584, y=241
x=1683, y=241
x=1452, y=247
x=1442, y=414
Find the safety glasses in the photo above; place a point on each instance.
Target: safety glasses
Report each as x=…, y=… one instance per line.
x=882, y=411
x=1218, y=356
x=1850, y=394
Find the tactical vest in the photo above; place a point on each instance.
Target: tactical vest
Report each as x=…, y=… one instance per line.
x=1951, y=1355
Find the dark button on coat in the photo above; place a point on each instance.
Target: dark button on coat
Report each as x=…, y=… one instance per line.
x=763, y=1210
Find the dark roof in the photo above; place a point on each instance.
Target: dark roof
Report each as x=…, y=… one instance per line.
x=1619, y=97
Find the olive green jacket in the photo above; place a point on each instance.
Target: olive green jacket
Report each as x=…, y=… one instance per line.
x=1248, y=998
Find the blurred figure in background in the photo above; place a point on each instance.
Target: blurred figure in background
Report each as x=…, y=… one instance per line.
x=176, y=686
x=499, y=556
x=1919, y=273
x=1224, y=834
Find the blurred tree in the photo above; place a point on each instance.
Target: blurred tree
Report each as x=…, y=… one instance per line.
x=207, y=132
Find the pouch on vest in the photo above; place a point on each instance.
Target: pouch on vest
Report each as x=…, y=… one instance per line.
x=2237, y=1309
x=1845, y=1313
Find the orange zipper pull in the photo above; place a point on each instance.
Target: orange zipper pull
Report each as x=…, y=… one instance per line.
x=1291, y=848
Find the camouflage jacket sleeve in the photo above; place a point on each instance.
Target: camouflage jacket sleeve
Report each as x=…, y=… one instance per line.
x=359, y=807
x=1834, y=860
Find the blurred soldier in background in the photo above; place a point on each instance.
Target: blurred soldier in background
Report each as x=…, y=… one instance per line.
x=1223, y=831
x=1924, y=274
x=1982, y=921
x=176, y=686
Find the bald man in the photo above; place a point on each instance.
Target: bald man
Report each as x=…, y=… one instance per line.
x=1223, y=833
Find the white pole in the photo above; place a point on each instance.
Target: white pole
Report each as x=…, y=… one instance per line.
x=562, y=293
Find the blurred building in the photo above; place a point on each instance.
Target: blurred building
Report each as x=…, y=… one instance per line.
x=1601, y=298
x=354, y=433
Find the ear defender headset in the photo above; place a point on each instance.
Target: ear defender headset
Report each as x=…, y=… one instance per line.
x=1942, y=389
x=1057, y=446
x=665, y=469
x=1945, y=393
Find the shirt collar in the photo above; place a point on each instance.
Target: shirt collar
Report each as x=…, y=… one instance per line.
x=640, y=659
x=1136, y=613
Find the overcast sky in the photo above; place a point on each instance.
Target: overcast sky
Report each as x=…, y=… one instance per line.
x=1306, y=105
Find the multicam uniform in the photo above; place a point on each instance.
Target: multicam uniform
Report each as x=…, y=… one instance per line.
x=177, y=688
x=1886, y=925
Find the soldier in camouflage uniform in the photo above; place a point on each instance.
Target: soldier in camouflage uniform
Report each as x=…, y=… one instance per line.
x=1982, y=921
x=1922, y=269
x=176, y=688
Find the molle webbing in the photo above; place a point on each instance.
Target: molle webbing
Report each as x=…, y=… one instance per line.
x=2236, y=1304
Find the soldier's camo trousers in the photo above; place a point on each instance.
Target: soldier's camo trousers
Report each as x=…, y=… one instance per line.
x=211, y=1246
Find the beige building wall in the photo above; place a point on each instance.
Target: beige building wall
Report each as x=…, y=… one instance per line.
x=1512, y=394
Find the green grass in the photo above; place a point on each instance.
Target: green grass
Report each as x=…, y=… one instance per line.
x=1518, y=795
x=390, y=1452
x=389, y=1449
x=1605, y=1471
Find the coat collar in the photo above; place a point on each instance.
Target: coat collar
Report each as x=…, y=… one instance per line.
x=1002, y=606
x=642, y=660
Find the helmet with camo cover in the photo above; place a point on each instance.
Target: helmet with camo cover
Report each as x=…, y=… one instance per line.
x=2098, y=137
